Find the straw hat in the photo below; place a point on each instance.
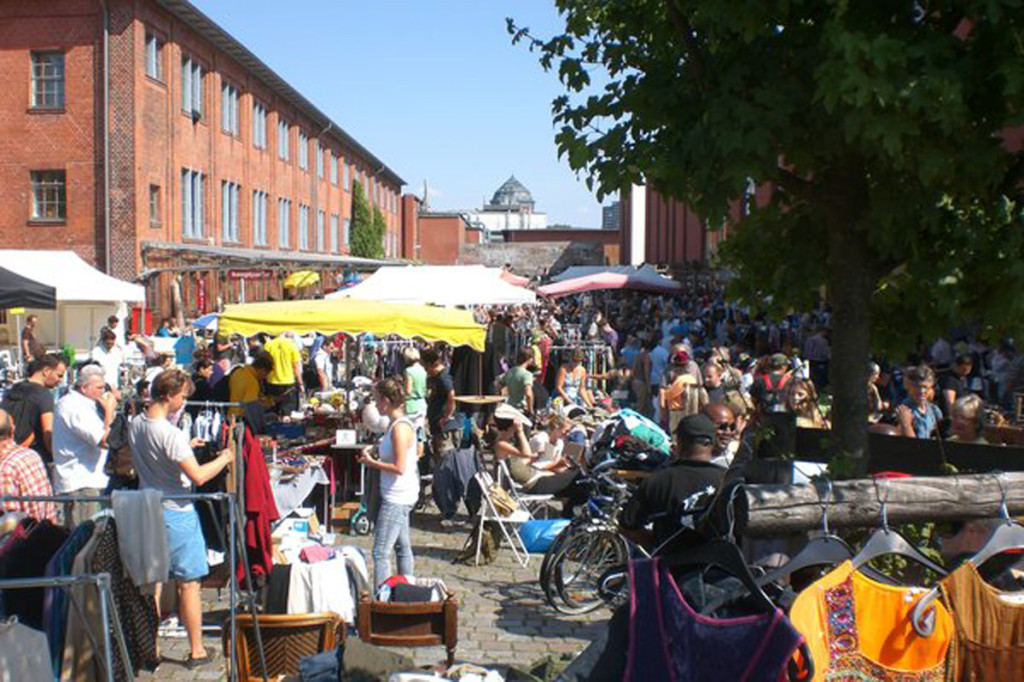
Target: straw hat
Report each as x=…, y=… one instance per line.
x=506, y=411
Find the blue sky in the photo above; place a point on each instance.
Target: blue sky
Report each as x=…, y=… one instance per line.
x=434, y=88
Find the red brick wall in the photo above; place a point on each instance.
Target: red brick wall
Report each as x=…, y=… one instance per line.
x=410, y=226
x=152, y=139
x=600, y=236
x=441, y=237
x=50, y=141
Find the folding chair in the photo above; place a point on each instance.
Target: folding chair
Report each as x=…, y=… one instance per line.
x=509, y=525
x=533, y=503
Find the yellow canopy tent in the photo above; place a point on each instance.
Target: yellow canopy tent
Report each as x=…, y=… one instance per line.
x=329, y=316
x=303, y=278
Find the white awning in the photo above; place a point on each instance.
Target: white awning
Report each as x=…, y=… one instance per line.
x=445, y=285
x=74, y=279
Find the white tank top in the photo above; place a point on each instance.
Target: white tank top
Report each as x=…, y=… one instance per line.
x=401, y=488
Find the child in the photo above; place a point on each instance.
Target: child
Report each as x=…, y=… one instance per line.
x=919, y=417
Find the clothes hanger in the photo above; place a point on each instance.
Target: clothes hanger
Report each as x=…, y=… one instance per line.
x=724, y=553
x=1006, y=537
x=826, y=550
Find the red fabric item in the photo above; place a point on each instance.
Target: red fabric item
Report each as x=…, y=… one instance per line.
x=260, y=510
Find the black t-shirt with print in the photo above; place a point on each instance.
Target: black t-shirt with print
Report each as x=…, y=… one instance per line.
x=682, y=489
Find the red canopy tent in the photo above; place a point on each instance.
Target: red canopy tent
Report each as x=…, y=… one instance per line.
x=610, y=280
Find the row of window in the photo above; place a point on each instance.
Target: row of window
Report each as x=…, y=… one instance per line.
x=51, y=202
x=192, y=75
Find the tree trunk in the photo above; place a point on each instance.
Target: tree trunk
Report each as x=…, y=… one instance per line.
x=850, y=286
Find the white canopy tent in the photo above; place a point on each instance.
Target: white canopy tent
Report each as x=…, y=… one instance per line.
x=85, y=296
x=445, y=285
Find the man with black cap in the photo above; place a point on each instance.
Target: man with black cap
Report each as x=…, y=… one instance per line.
x=669, y=498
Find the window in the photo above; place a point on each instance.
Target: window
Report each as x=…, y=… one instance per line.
x=259, y=218
x=334, y=233
x=154, y=57
x=303, y=151
x=229, y=109
x=154, y=206
x=303, y=227
x=319, y=160
x=259, y=126
x=346, y=224
x=47, y=80
x=191, y=88
x=284, y=212
x=49, y=196
x=192, y=200
x=334, y=169
x=282, y=140
x=320, y=218
x=229, y=197
x=344, y=180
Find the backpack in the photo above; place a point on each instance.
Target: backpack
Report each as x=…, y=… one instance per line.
x=771, y=394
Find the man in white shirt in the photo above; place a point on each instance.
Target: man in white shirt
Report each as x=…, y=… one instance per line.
x=109, y=356
x=79, y=440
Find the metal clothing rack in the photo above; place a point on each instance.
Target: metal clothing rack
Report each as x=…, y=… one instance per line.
x=235, y=535
x=107, y=608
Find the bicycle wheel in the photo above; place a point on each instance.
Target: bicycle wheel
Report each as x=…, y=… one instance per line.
x=577, y=571
x=546, y=585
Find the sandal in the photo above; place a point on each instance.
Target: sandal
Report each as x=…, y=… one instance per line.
x=193, y=663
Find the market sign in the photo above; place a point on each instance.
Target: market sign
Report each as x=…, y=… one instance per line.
x=251, y=274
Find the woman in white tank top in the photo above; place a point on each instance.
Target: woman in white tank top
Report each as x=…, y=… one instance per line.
x=399, y=483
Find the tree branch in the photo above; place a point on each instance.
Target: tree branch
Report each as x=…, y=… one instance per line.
x=798, y=186
x=685, y=30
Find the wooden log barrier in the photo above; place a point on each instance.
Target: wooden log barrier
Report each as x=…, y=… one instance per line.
x=781, y=509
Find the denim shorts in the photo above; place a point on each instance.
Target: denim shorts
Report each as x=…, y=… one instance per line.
x=186, y=544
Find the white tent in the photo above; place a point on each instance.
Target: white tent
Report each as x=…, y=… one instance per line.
x=85, y=296
x=446, y=285
x=644, y=271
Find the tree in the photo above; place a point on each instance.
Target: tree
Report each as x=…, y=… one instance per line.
x=380, y=228
x=877, y=127
x=365, y=243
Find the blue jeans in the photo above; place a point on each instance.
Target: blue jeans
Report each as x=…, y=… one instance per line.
x=392, y=527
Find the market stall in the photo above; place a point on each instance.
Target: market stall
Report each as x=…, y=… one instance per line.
x=444, y=285
x=330, y=316
x=85, y=297
x=637, y=281
x=375, y=333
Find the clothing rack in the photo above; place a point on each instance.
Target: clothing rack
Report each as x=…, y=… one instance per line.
x=107, y=608
x=235, y=534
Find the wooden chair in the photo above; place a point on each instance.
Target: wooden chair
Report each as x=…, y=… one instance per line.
x=286, y=640
x=432, y=623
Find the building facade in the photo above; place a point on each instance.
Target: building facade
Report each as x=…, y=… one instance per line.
x=611, y=216
x=511, y=208
x=663, y=231
x=143, y=136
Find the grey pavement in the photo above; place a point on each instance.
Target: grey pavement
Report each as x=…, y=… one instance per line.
x=503, y=618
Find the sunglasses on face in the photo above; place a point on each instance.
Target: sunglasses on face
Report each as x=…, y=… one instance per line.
x=726, y=426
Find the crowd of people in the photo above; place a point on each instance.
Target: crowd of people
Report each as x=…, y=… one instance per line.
x=704, y=369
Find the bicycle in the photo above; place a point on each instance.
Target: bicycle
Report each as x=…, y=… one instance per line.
x=587, y=548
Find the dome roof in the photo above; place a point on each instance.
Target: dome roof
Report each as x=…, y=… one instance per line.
x=512, y=194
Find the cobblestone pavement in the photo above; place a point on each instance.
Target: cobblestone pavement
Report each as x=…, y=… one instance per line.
x=503, y=618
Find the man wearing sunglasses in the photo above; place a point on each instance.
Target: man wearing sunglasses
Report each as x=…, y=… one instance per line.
x=726, y=441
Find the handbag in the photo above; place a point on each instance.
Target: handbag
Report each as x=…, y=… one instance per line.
x=503, y=502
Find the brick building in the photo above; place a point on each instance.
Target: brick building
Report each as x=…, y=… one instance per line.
x=216, y=179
